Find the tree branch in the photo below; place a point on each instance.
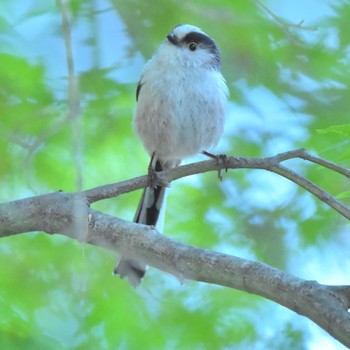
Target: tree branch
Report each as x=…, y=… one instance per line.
x=74, y=115
x=325, y=305
x=70, y=214
x=271, y=164
x=285, y=25
x=302, y=154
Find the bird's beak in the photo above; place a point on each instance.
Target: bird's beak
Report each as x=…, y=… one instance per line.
x=172, y=39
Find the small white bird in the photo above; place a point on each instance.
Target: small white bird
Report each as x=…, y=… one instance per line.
x=181, y=100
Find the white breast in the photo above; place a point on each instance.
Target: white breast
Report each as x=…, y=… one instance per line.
x=180, y=109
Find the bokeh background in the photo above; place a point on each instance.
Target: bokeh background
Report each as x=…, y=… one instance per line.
x=67, y=94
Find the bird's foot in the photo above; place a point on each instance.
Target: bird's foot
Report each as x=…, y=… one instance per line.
x=155, y=179
x=221, y=162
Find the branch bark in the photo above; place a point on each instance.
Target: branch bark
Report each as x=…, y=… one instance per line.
x=272, y=164
x=70, y=214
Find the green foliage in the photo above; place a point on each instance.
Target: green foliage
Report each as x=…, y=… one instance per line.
x=342, y=129
x=289, y=89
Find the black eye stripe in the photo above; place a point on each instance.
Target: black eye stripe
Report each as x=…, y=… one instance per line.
x=206, y=42
x=200, y=38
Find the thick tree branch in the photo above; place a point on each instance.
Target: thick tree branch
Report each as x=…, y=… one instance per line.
x=69, y=214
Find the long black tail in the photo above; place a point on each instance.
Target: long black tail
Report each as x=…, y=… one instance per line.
x=147, y=213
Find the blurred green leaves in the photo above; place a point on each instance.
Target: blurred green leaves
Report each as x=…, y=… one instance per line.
x=342, y=129
x=287, y=90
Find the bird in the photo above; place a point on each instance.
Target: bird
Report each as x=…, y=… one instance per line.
x=180, y=111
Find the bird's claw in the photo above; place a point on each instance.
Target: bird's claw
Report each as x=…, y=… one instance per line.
x=220, y=159
x=155, y=180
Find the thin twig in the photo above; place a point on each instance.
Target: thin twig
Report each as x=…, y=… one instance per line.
x=317, y=191
x=303, y=154
x=271, y=164
x=283, y=23
x=73, y=96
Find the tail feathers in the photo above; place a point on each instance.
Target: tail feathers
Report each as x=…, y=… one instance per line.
x=147, y=213
x=150, y=206
x=130, y=269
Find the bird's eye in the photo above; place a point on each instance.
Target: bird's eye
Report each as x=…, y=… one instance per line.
x=192, y=46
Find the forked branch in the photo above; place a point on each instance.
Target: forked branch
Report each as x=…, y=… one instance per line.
x=70, y=214
x=272, y=164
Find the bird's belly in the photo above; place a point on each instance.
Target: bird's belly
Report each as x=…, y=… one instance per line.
x=181, y=130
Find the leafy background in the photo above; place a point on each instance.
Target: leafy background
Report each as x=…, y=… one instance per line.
x=288, y=89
